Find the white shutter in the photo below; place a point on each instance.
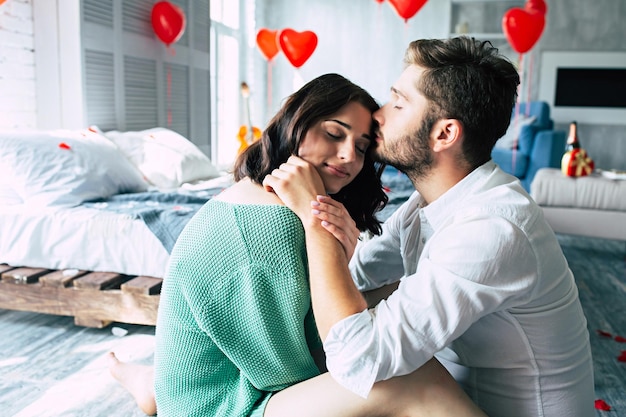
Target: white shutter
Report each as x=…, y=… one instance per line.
x=100, y=89
x=127, y=70
x=140, y=93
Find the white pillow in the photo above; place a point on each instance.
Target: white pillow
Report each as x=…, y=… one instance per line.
x=165, y=158
x=64, y=168
x=8, y=196
x=512, y=133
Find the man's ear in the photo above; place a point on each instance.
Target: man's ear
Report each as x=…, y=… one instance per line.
x=446, y=133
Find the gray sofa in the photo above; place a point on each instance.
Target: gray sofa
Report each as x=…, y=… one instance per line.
x=592, y=205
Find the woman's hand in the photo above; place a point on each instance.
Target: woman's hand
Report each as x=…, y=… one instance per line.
x=336, y=219
x=296, y=183
x=299, y=186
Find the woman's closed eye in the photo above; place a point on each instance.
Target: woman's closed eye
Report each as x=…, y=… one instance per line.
x=361, y=145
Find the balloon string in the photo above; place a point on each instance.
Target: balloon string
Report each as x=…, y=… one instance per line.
x=529, y=72
x=269, y=86
x=517, y=110
x=169, y=95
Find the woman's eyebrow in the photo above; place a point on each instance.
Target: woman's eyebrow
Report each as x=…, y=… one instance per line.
x=347, y=126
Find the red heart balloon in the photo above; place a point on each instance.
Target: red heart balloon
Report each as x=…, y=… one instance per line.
x=536, y=5
x=297, y=46
x=267, y=43
x=168, y=22
x=523, y=28
x=407, y=8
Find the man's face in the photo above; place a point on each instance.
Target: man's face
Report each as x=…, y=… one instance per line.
x=403, y=134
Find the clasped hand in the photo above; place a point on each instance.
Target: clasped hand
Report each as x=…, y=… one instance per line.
x=298, y=184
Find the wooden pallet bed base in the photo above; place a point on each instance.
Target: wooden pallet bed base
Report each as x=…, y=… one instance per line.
x=94, y=299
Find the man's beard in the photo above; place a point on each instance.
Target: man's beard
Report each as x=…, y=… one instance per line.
x=409, y=153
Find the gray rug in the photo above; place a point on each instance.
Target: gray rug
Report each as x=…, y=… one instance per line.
x=599, y=266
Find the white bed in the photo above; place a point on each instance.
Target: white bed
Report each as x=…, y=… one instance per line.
x=59, y=212
x=80, y=238
x=84, y=238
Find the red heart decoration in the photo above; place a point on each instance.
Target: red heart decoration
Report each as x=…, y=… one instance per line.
x=407, y=8
x=297, y=46
x=168, y=21
x=536, y=5
x=267, y=43
x=523, y=28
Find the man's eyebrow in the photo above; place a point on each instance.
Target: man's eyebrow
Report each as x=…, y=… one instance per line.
x=398, y=92
x=347, y=126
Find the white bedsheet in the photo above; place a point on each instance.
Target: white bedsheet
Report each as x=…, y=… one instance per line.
x=79, y=237
x=85, y=238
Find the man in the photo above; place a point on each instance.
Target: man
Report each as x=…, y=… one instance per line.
x=482, y=284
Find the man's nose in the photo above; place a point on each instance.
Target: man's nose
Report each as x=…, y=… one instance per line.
x=378, y=115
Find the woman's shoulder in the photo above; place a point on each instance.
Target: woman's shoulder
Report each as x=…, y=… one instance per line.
x=248, y=192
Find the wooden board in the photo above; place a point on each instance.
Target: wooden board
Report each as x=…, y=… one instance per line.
x=94, y=299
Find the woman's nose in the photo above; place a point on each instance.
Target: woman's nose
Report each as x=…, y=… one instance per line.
x=347, y=151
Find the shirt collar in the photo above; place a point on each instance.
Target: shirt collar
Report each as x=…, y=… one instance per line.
x=441, y=210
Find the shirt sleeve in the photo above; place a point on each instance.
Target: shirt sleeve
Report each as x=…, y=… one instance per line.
x=378, y=261
x=458, y=280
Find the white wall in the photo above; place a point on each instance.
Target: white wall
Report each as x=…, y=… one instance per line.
x=18, y=104
x=361, y=39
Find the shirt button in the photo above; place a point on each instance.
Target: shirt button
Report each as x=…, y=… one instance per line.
x=423, y=240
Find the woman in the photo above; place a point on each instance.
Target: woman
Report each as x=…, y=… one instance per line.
x=235, y=322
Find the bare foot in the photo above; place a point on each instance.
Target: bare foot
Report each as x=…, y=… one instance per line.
x=137, y=379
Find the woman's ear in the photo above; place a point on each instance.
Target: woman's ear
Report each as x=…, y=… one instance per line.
x=446, y=133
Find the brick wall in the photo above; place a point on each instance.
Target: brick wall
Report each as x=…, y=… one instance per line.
x=18, y=107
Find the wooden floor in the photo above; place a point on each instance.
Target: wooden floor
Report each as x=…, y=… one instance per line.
x=51, y=367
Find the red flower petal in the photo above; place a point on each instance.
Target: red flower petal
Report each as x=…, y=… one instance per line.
x=602, y=405
x=620, y=339
x=65, y=146
x=622, y=356
x=604, y=334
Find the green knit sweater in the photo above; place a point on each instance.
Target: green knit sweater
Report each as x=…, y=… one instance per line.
x=234, y=322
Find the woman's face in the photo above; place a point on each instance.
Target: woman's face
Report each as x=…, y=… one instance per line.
x=336, y=145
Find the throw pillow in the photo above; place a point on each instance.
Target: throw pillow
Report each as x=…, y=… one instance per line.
x=64, y=168
x=165, y=158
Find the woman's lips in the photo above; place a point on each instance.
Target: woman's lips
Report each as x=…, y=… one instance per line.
x=337, y=171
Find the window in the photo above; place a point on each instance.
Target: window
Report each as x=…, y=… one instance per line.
x=229, y=28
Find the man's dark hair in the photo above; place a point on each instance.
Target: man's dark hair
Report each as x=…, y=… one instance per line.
x=467, y=80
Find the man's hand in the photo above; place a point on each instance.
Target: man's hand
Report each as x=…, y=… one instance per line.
x=336, y=219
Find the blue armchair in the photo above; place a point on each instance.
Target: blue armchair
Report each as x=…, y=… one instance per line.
x=538, y=145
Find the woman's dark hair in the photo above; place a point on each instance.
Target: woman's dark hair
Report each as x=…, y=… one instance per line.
x=316, y=100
